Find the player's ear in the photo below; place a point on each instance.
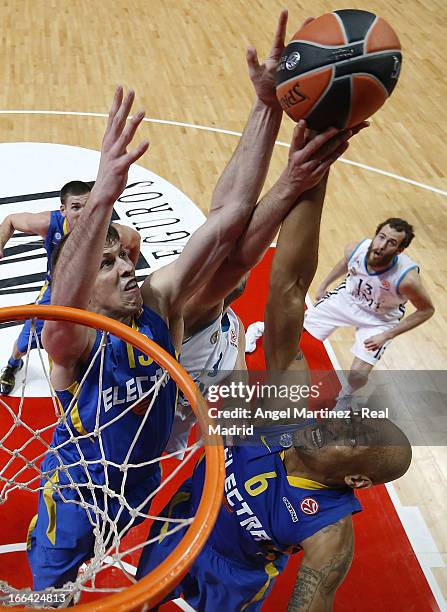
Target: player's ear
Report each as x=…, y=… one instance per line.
x=62, y=209
x=358, y=481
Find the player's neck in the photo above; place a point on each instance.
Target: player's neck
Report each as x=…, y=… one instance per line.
x=376, y=269
x=296, y=467
x=122, y=317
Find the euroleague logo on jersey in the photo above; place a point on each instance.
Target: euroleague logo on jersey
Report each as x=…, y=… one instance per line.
x=309, y=505
x=386, y=285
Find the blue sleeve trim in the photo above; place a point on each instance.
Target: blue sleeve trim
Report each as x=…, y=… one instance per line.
x=403, y=275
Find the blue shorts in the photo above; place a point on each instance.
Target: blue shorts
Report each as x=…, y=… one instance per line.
x=60, y=536
x=213, y=582
x=22, y=341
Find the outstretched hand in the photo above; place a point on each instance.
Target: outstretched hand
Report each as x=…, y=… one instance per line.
x=263, y=75
x=115, y=159
x=311, y=155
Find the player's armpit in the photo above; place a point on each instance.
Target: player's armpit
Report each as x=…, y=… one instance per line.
x=327, y=558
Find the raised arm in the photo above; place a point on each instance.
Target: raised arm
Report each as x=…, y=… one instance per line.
x=340, y=269
x=234, y=197
x=413, y=290
x=241, y=182
x=29, y=223
x=327, y=558
x=307, y=164
x=293, y=269
x=81, y=257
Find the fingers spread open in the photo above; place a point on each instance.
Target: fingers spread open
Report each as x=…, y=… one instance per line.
x=131, y=128
x=135, y=154
x=117, y=101
x=280, y=35
x=123, y=113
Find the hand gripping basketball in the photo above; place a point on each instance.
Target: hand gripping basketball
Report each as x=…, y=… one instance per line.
x=263, y=75
x=311, y=155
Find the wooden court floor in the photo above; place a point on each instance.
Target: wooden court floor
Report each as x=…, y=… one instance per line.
x=186, y=61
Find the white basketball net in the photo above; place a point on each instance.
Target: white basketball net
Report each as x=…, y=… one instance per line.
x=92, y=497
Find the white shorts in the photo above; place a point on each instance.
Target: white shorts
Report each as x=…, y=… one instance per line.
x=336, y=310
x=210, y=356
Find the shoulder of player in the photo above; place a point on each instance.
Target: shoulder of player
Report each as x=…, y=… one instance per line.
x=333, y=538
x=351, y=248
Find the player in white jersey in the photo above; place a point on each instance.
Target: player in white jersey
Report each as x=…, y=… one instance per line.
x=380, y=280
x=214, y=344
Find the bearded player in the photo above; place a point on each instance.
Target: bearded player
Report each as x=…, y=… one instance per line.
x=380, y=279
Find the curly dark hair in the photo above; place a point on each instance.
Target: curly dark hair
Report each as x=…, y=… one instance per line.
x=400, y=225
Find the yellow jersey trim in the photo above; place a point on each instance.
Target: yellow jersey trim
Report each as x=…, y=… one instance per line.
x=271, y=572
x=303, y=483
x=48, y=491
x=74, y=413
x=179, y=497
x=31, y=528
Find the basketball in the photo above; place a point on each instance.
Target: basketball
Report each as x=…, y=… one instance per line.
x=338, y=69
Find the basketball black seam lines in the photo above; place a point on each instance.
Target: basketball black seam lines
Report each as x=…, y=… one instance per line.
x=315, y=44
x=371, y=76
x=365, y=40
x=342, y=26
x=348, y=120
x=324, y=93
x=368, y=55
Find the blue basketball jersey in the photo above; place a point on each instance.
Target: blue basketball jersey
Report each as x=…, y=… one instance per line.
x=57, y=229
x=265, y=511
x=127, y=375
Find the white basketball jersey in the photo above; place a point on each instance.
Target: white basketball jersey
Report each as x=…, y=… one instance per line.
x=378, y=292
x=210, y=354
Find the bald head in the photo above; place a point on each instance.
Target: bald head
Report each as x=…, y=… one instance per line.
x=387, y=456
x=373, y=450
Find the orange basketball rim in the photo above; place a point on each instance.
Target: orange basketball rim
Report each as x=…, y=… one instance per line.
x=156, y=585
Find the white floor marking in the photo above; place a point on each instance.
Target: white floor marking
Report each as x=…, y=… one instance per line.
x=205, y=128
x=411, y=518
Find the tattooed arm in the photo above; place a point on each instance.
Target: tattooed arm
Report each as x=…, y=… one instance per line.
x=327, y=559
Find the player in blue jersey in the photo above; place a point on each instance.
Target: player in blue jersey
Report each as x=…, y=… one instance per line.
x=51, y=225
x=101, y=278
x=291, y=491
